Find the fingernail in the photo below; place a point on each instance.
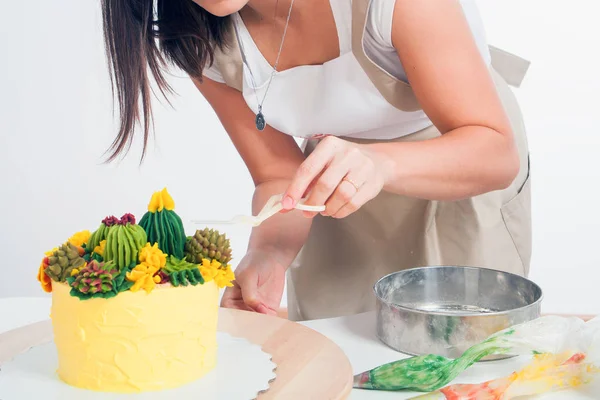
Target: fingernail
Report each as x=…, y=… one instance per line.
x=287, y=202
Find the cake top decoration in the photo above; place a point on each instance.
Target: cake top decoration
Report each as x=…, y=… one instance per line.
x=110, y=221
x=121, y=255
x=161, y=200
x=127, y=219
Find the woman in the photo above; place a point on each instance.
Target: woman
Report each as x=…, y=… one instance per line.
x=415, y=144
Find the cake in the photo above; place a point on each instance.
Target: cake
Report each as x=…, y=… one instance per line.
x=135, y=305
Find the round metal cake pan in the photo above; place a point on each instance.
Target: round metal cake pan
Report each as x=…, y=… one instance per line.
x=446, y=309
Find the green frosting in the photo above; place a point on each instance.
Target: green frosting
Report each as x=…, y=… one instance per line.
x=123, y=243
x=101, y=233
x=209, y=244
x=425, y=373
x=63, y=261
x=98, y=236
x=165, y=228
x=182, y=273
x=112, y=281
x=95, y=278
x=92, y=257
x=185, y=277
x=175, y=264
x=122, y=284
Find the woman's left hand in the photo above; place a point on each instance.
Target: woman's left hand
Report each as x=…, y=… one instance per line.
x=341, y=175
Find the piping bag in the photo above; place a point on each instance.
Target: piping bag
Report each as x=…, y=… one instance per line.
x=546, y=373
x=427, y=373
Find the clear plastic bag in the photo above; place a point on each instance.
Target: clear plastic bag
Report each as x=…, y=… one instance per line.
x=566, y=356
x=545, y=335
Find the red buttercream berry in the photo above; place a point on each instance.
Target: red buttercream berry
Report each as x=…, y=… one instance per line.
x=127, y=219
x=110, y=221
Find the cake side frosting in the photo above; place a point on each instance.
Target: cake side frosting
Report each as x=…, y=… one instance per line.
x=136, y=341
x=135, y=306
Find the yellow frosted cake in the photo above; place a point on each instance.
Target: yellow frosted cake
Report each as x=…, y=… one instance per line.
x=135, y=306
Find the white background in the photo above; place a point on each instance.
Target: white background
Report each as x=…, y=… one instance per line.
x=56, y=120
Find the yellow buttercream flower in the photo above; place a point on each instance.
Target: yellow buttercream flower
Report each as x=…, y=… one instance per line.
x=225, y=277
x=74, y=271
x=143, y=276
x=153, y=256
x=214, y=270
x=44, y=279
x=161, y=200
x=80, y=238
x=100, y=248
x=209, y=270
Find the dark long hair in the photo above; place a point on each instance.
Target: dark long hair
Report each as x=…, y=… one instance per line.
x=141, y=38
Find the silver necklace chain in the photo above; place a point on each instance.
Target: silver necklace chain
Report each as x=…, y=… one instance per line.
x=260, y=119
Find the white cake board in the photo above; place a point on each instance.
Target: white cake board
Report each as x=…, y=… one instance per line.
x=309, y=365
x=243, y=371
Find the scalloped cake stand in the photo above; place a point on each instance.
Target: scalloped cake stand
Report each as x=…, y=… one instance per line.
x=309, y=365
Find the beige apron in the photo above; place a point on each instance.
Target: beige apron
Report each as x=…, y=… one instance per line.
x=334, y=272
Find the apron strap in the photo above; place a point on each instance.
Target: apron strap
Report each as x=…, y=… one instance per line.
x=510, y=67
x=398, y=93
x=230, y=63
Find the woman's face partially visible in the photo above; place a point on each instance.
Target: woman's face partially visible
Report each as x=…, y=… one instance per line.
x=221, y=8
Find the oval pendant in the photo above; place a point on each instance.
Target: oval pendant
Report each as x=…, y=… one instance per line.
x=260, y=121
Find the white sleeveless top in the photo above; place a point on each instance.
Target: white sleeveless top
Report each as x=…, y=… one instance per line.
x=337, y=98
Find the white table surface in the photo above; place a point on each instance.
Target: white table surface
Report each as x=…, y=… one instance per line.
x=355, y=335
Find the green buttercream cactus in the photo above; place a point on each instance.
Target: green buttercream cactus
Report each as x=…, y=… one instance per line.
x=182, y=273
x=124, y=241
x=209, y=244
x=63, y=260
x=101, y=233
x=163, y=226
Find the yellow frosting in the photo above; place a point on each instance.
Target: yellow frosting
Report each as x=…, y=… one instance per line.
x=100, y=248
x=80, y=238
x=144, y=278
x=214, y=270
x=136, y=341
x=153, y=256
x=161, y=200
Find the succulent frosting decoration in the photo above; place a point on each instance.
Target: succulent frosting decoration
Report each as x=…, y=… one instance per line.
x=121, y=255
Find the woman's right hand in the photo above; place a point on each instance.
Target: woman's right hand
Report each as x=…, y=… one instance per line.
x=258, y=285
x=272, y=158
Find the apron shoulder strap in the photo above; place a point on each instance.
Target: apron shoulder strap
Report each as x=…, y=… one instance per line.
x=510, y=67
x=399, y=94
x=230, y=63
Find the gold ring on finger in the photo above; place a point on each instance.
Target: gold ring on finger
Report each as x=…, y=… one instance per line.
x=350, y=181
